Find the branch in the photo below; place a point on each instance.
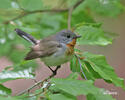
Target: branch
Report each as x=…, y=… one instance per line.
x=26, y=13
x=77, y=4
x=54, y=72
x=36, y=84
x=70, y=13
x=69, y=17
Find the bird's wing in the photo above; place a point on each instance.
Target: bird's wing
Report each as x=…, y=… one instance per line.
x=43, y=49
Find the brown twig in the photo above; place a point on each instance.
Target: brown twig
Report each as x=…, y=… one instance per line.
x=40, y=82
x=70, y=12
x=36, y=84
x=77, y=4
x=26, y=13
x=41, y=92
x=69, y=18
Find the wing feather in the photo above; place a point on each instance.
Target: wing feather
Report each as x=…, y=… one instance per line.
x=43, y=49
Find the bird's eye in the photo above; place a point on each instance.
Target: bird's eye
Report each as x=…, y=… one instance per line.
x=68, y=36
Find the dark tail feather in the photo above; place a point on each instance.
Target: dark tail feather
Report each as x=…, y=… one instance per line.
x=26, y=36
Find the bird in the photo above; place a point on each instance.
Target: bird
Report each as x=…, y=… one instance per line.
x=53, y=50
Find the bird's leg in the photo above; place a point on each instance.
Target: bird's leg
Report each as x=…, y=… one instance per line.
x=54, y=71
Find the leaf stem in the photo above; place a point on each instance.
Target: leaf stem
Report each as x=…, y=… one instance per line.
x=81, y=67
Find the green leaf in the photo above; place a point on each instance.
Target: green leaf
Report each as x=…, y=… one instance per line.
x=7, y=14
x=86, y=69
x=96, y=67
x=73, y=87
x=93, y=35
x=4, y=90
x=105, y=7
x=60, y=97
x=31, y=5
x=99, y=64
x=91, y=97
x=7, y=11
x=53, y=24
x=79, y=87
x=5, y=4
x=84, y=16
x=13, y=75
x=21, y=71
x=81, y=14
x=47, y=25
x=25, y=65
x=8, y=98
x=73, y=76
x=74, y=65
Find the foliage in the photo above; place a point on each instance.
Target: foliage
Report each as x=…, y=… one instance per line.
x=78, y=87
x=28, y=15
x=105, y=7
x=92, y=34
x=4, y=90
x=24, y=70
x=96, y=67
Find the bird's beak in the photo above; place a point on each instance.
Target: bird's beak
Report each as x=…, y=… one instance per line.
x=78, y=36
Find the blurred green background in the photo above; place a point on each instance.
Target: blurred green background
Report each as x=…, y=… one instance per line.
x=13, y=48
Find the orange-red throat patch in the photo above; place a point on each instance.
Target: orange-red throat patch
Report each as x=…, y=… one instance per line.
x=71, y=45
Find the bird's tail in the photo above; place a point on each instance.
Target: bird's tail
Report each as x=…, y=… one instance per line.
x=26, y=36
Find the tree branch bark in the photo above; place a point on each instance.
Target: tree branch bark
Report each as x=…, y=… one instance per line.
x=69, y=18
x=26, y=13
x=36, y=84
